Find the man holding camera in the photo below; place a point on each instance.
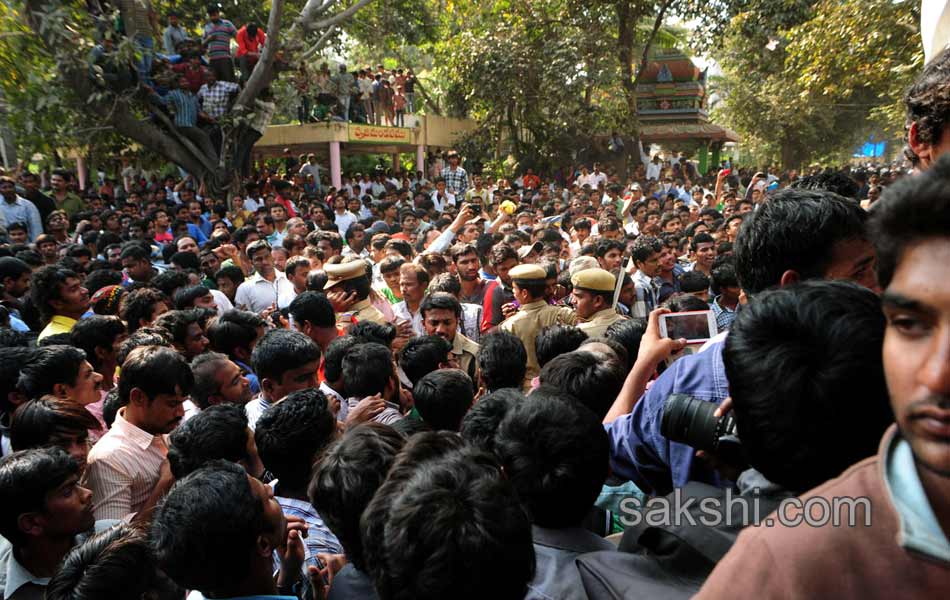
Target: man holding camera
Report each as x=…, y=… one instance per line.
x=902, y=549
x=797, y=235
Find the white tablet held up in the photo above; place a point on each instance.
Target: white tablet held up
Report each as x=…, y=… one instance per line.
x=693, y=326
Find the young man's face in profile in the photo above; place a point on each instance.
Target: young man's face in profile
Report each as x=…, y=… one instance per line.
x=917, y=353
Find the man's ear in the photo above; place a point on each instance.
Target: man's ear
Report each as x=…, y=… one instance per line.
x=30, y=523
x=788, y=278
x=101, y=354
x=263, y=546
x=268, y=386
x=137, y=396
x=61, y=390
x=921, y=149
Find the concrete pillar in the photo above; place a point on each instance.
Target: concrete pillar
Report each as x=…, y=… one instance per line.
x=336, y=176
x=396, y=164
x=81, y=171
x=421, y=158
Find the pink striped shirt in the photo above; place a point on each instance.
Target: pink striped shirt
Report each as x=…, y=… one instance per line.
x=123, y=468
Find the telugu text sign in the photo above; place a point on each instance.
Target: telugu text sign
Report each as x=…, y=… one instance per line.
x=376, y=134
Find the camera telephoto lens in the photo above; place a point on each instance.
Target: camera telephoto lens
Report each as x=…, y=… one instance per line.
x=691, y=421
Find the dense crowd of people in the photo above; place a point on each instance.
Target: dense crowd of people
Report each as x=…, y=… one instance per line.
x=442, y=384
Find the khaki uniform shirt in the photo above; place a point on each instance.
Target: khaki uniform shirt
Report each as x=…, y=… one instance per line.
x=528, y=322
x=465, y=351
x=361, y=311
x=597, y=324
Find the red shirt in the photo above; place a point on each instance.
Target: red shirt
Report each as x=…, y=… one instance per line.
x=291, y=213
x=531, y=182
x=250, y=44
x=194, y=75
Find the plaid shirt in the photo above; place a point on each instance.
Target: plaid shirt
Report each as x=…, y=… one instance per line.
x=456, y=180
x=724, y=315
x=646, y=296
x=214, y=98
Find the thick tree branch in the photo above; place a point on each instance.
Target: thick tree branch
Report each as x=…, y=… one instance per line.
x=263, y=72
x=313, y=9
x=335, y=19
x=158, y=140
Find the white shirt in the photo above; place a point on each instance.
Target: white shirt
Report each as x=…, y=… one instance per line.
x=401, y=310
x=222, y=301
x=252, y=204
x=257, y=294
x=449, y=200
x=344, y=221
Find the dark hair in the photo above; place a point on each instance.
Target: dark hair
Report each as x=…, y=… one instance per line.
x=440, y=301
x=443, y=397
x=346, y=478
x=724, y=274
x=13, y=268
x=232, y=272
x=367, y=370
x=628, y=333
x=185, y=297
x=378, y=333
x=206, y=529
x=37, y=423
x=913, y=209
x=448, y=527
x=500, y=253
x=154, y=370
x=97, y=331
x=26, y=478
x=927, y=103
x=502, y=360
x=644, y=247
x=116, y=563
x=169, y=281
x=47, y=367
x=205, y=367
x=139, y=304
x=282, y=350
x=144, y=336
x=604, y=246
x=333, y=358
x=794, y=230
x=177, y=322
x=12, y=360
x=422, y=355
x=589, y=377
x=100, y=278
x=234, y=329
x=808, y=349
x=556, y=454
x=290, y=435
x=391, y=263
x=555, y=340
x=45, y=287
x=693, y=281
x=135, y=250
x=481, y=421
x=215, y=432
x=313, y=308
x=836, y=182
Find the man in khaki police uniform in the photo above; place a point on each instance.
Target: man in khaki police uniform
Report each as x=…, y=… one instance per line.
x=351, y=277
x=593, y=299
x=535, y=314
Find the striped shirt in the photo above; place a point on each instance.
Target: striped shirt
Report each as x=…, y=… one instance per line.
x=184, y=105
x=319, y=540
x=646, y=296
x=123, y=468
x=217, y=38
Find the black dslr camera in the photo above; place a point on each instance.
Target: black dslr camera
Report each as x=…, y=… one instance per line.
x=691, y=421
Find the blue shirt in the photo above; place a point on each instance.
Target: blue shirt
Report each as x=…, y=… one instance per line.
x=195, y=232
x=23, y=211
x=185, y=106
x=640, y=453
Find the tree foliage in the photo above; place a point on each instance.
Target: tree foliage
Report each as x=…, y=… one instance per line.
x=808, y=80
